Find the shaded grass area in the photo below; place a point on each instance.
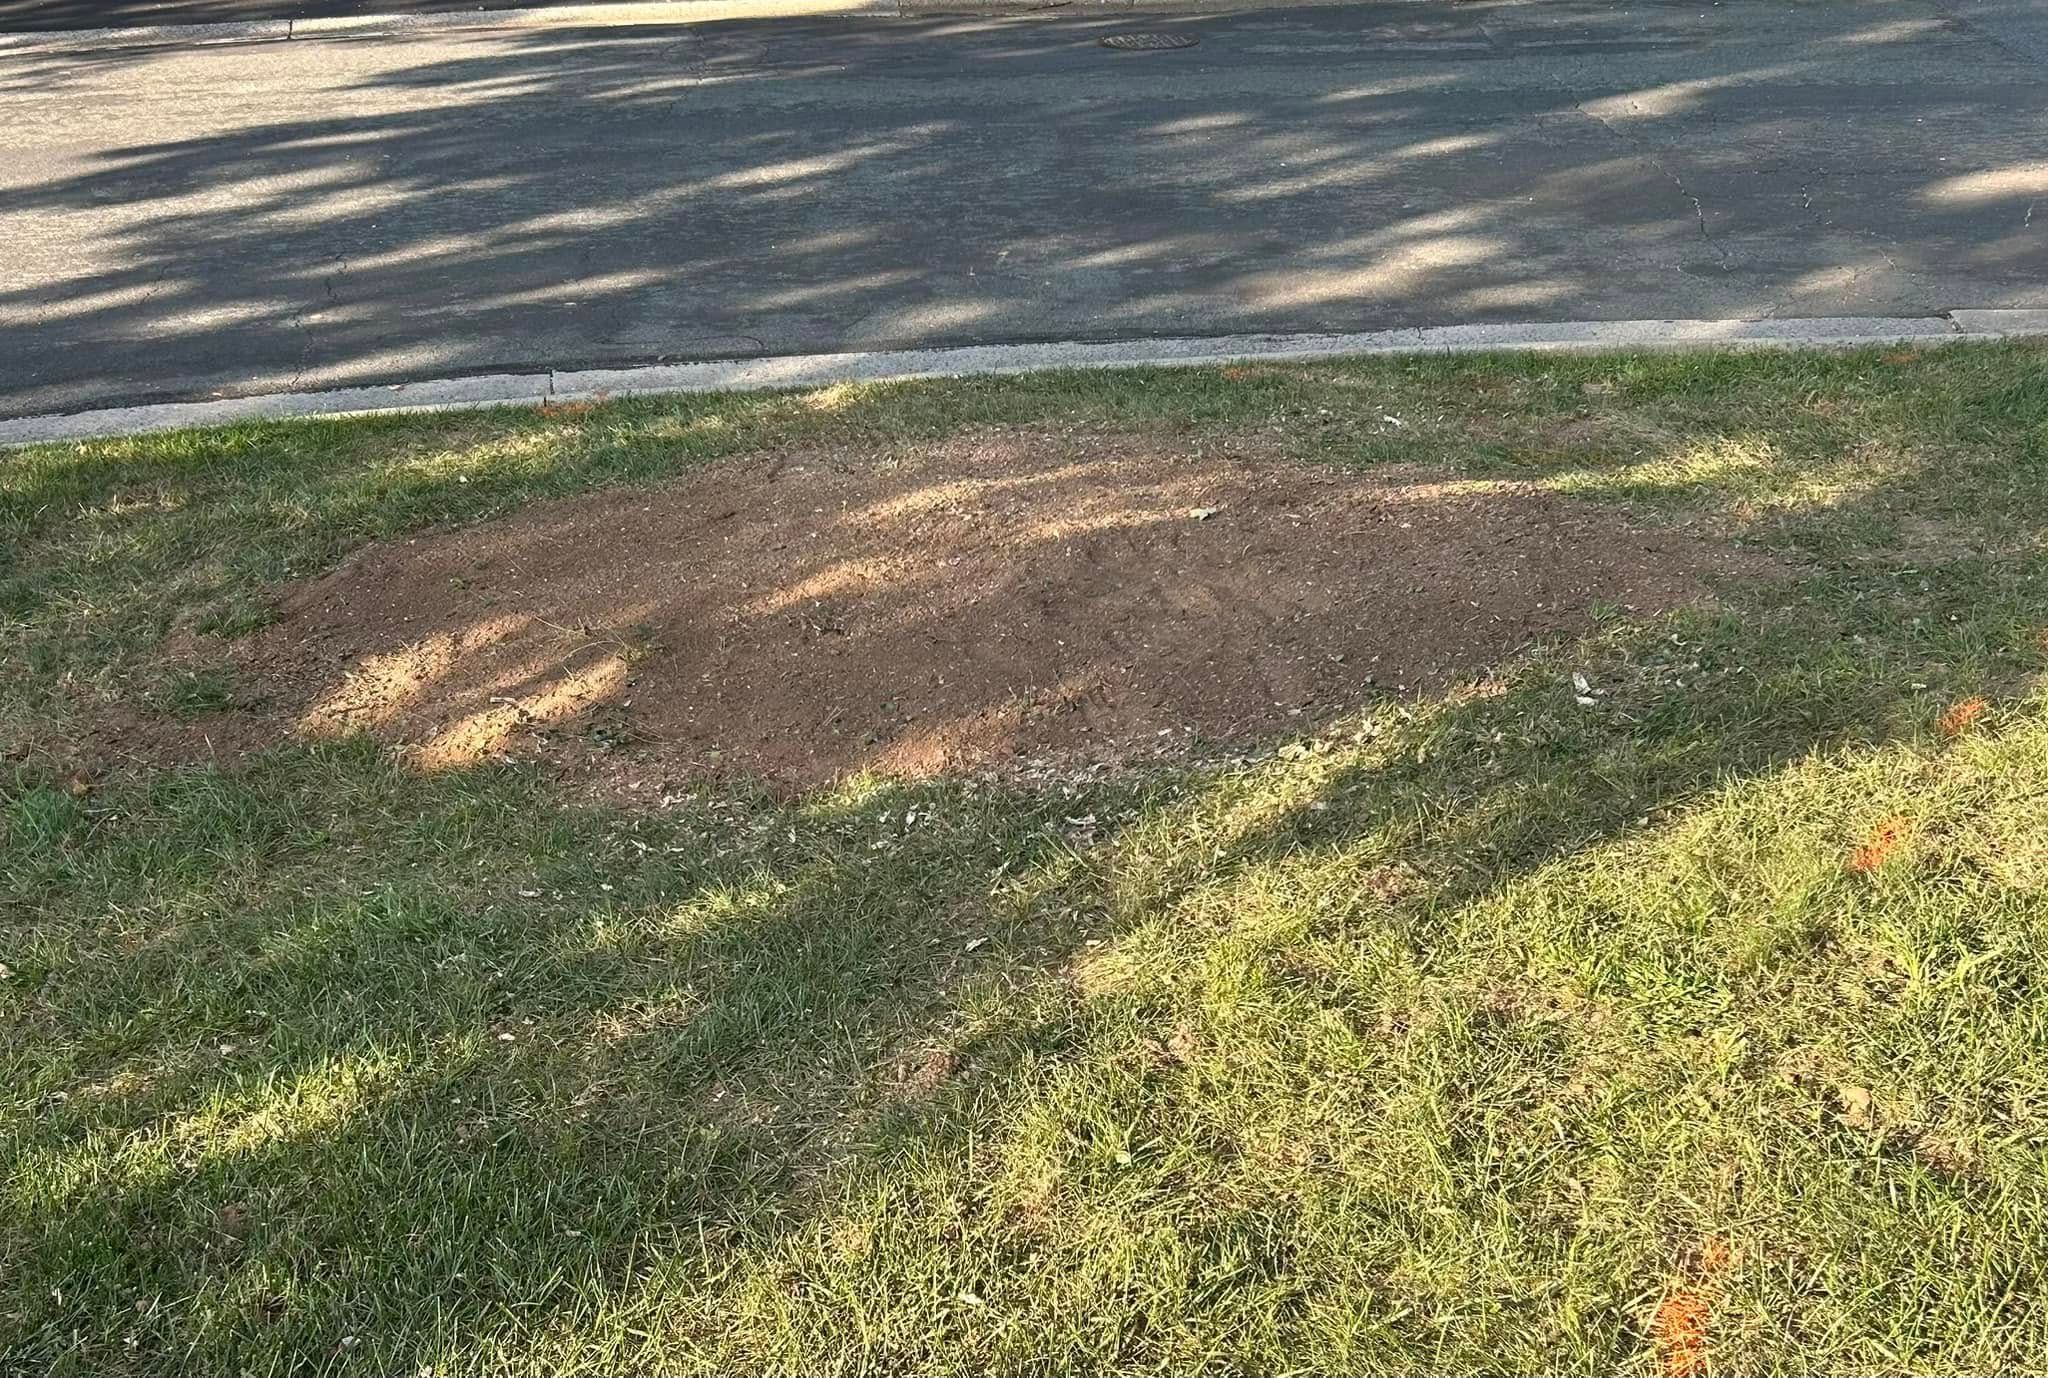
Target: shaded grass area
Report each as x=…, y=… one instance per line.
x=1700, y=1024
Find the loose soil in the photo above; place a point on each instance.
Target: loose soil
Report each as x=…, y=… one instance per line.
x=997, y=598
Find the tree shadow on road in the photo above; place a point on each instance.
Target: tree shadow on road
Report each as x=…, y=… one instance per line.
x=518, y=199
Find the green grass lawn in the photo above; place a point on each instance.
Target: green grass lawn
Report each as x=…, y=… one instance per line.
x=1701, y=1029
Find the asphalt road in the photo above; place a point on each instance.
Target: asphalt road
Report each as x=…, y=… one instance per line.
x=46, y=16
x=189, y=222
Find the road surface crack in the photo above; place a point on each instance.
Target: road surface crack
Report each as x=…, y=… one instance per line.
x=300, y=326
x=1647, y=151
x=1822, y=220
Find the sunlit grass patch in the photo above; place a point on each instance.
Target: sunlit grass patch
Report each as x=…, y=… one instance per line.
x=1666, y=1001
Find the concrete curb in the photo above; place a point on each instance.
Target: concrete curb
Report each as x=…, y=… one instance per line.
x=452, y=394
x=603, y=15
x=826, y=370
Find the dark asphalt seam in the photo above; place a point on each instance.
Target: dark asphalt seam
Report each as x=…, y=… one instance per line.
x=2018, y=47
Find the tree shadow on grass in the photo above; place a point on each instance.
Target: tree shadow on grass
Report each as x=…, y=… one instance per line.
x=325, y=1064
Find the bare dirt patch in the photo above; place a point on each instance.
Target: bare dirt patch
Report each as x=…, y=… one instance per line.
x=994, y=597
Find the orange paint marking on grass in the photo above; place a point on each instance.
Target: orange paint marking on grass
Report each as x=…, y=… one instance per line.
x=1956, y=719
x=1680, y=1328
x=1679, y=1331
x=1876, y=849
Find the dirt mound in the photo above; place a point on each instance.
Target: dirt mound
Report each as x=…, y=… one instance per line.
x=809, y=615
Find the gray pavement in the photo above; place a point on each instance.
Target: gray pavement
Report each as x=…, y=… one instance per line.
x=194, y=222
x=48, y=16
